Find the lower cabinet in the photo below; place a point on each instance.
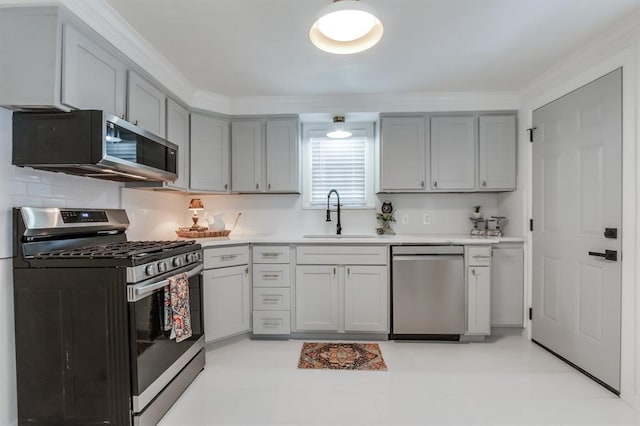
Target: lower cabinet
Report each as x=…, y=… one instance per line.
x=366, y=298
x=479, y=299
x=317, y=298
x=226, y=292
x=342, y=297
x=507, y=285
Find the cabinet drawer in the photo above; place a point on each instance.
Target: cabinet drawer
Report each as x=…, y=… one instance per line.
x=271, y=299
x=478, y=256
x=271, y=254
x=341, y=255
x=220, y=257
x=271, y=322
x=274, y=275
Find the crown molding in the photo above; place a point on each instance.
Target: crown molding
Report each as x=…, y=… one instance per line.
x=205, y=100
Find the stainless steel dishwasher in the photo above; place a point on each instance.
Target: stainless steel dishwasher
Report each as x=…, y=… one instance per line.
x=428, y=295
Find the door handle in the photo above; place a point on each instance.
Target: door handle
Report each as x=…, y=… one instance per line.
x=608, y=255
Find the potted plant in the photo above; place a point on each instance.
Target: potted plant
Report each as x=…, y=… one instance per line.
x=385, y=218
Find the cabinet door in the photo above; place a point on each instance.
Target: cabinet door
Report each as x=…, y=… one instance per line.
x=92, y=78
x=282, y=156
x=146, y=105
x=507, y=287
x=178, y=133
x=209, y=153
x=246, y=156
x=497, y=152
x=478, y=300
x=366, y=298
x=453, y=153
x=226, y=302
x=403, y=153
x=317, y=298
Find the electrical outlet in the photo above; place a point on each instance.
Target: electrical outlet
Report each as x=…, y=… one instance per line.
x=426, y=218
x=405, y=219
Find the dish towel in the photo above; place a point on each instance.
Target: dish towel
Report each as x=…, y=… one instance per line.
x=177, y=312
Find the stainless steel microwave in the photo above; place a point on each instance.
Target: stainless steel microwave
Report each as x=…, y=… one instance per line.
x=92, y=143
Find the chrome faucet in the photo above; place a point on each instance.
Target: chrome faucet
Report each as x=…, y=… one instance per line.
x=338, y=226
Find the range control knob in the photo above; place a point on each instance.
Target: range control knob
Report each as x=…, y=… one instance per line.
x=177, y=262
x=191, y=258
x=199, y=256
x=162, y=267
x=150, y=270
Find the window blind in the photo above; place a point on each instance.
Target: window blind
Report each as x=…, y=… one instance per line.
x=338, y=164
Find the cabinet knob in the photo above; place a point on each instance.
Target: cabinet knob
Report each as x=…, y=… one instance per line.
x=435, y=183
x=122, y=116
x=484, y=183
x=246, y=271
x=422, y=184
x=226, y=186
x=334, y=272
x=135, y=123
x=268, y=186
x=257, y=186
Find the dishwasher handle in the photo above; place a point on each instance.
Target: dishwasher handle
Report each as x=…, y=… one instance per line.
x=418, y=257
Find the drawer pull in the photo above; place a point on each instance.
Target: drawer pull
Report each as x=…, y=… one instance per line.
x=481, y=256
x=270, y=276
x=271, y=300
x=271, y=254
x=272, y=323
x=228, y=256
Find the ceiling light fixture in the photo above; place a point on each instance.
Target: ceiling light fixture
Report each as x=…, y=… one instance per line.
x=338, y=132
x=346, y=26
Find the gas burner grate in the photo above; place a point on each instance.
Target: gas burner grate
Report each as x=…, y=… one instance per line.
x=124, y=250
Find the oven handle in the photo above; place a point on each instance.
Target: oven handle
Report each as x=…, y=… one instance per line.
x=142, y=290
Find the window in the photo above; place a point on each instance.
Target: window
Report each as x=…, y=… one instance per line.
x=345, y=165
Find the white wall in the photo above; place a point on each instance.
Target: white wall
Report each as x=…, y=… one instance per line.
x=283, y=214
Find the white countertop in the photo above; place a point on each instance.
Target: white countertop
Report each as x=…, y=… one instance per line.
x=382, y=239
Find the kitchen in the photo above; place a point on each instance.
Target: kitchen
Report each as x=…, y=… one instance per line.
x=156, y=214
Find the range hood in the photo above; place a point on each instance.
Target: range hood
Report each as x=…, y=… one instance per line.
x=93, y=144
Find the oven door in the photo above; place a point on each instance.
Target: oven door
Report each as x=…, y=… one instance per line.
x=156, y=358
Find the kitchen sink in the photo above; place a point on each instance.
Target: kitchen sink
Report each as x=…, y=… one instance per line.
x=340, y=236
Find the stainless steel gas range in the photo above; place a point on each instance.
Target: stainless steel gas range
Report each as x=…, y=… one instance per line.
x=92, y=342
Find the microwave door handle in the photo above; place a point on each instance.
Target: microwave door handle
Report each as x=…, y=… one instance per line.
x=140, y=291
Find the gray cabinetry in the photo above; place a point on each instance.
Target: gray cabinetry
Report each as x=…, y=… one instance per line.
x=478, y=262
x=246, y=156
x=497, y=152
x=209, y=153
x=146, y=105
x=92, y=78
x=453, y=153
x=264, y=155
x=507, y=285
x=403, y=153
x=178, y=133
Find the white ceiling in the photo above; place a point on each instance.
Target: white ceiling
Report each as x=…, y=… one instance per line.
x=262, y=48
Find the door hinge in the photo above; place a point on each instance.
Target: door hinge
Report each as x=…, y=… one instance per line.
x=530, y=313
x=531, y=225
x=530, y=130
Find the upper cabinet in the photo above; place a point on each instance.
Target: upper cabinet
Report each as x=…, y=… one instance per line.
x=92, y=78
x=146, y=105
x=178, y=133
x=403, y=153
x=209, y=153
x=497, y=153
x=457, y=152
x=453, y=153
x=264, y=155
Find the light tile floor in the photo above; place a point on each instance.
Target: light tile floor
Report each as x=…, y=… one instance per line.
x=505, y=381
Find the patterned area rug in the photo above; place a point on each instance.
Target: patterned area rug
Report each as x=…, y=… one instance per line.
x=342, y=356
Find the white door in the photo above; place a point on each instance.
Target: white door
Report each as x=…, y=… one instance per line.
x=478, y=300
x=366, y=298
x=403, y=153
x=497, y=152
x=317, y=298
x=576, y=195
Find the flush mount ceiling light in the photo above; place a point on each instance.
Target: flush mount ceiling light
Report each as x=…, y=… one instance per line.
x=338, y=132
x=346, y=26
